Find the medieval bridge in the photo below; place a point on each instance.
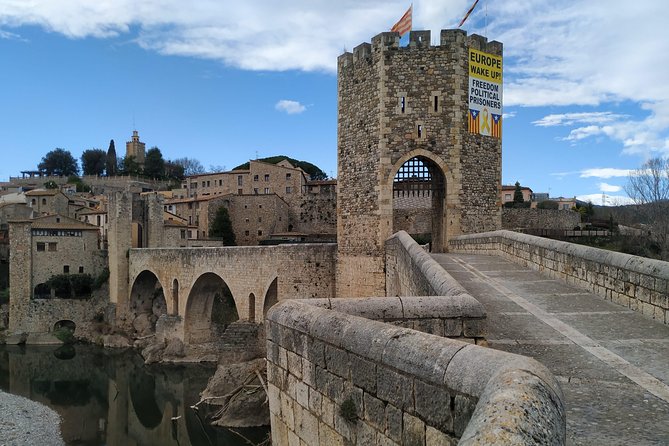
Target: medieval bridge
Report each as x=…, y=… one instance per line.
x=245, y=281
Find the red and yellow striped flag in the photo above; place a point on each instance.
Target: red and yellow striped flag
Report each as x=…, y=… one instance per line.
x=468, y=12
x=404, y=25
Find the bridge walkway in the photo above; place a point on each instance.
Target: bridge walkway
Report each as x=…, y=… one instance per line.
x=612, y=363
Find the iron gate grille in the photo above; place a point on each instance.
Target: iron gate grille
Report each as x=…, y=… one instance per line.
x=416, y=179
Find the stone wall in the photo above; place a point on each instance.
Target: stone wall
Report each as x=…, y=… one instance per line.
x=410, y=271
x=638, y=283
x=539, y=218
x=317, y=212
x=336, y=378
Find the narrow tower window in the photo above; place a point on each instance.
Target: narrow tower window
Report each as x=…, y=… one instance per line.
x=436, y=103
x=402, y=104
x=420, y=130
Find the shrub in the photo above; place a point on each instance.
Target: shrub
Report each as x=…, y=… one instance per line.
x=548, y=204
x=348, y=411
x=64, y=334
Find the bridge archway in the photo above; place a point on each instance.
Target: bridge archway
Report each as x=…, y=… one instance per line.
x=271, y=296
x=175, y=297
x=419, y=198
x=252, y=307
x=210, y=308
x=147, y=303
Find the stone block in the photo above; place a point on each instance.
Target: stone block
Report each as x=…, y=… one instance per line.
x=433, y=404
x=337, y=361
x=374, y=412
x=293, y=439
x=474, y=328
x=365, y=435
x=287, y=414
x=309, y=373
x=413, y=432
x=302, y=394
x=316, y=352
x=463, y=409
x=328, y=436
x=274, y=397
x=306, y=426
x=394, y=388
x=363, y=373
x=394, y=421
x=279, y=430
x=315, y=401
x=452, y=327
x=294, y=362
x=434, y=437
x=328, y=411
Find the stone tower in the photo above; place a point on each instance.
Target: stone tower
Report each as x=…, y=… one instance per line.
x=136, y=148
x=403, y=129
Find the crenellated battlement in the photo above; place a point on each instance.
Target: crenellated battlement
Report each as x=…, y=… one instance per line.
x=418, y=40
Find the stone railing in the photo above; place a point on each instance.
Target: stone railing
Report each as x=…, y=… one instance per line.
x=410, y=271
x=636, y=282
x=338, y=378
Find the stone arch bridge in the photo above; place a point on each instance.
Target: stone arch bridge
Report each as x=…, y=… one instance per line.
x=251, y=278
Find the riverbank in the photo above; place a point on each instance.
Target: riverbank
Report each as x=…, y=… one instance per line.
x=26, y=422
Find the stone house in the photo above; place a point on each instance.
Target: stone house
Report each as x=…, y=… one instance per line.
x=61, y=245
x=507, y=192
x=282, y=179
x=48, y=202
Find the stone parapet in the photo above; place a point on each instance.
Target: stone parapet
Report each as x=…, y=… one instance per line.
x=638, y=283
x=539, y=218
x=337, y=378
x=410, y=271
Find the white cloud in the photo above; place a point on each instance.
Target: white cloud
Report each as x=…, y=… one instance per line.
x=577, y=118
x=509, y=115
x=290, y=107
x=607, y=172
x=606, y=200
x=605, y=187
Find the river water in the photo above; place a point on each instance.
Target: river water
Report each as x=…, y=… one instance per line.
x=107, y=397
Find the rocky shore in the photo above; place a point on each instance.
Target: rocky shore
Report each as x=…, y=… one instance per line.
x=26, y=422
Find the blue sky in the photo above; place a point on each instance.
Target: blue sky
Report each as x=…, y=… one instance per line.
x=585, y=92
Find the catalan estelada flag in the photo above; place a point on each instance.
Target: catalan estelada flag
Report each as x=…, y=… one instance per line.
x=404, y=25
x=496, y=129
x=474, y=121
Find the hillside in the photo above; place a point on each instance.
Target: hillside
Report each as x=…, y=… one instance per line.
x=311, y=169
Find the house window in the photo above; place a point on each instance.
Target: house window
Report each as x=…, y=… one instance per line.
x=266, y=177
x=240, y=191
x=43, y=200
x=255, y=177
x=32, y=201
x=208, y=183
x=41, y=246
x=183, y=233
x=239, y=180
x=246, y=232
x=259, y=219
x=66, y=269
x=99, y=220
x=255, y=190
x=267, y=190
x=288, y=176
x=203, y=184
x=289, y=190
x=259, y=232
x=193, y=185
x=81, y=270
x=53, y=246
x=247, y=220
x=507, y=197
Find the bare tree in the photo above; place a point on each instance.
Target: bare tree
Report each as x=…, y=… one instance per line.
x=648, y=186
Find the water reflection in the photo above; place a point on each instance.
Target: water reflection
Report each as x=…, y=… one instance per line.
x=105, y=397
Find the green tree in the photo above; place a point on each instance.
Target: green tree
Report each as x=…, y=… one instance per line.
x=154, y=164
x=50, y=185
x=59, y=162
x=130, y=166
x=221, y=227
x=314, y=172
x=518, y=194
x=93, y=161
x=111, y=163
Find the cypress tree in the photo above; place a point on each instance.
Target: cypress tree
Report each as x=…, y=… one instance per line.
x=111, y=165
